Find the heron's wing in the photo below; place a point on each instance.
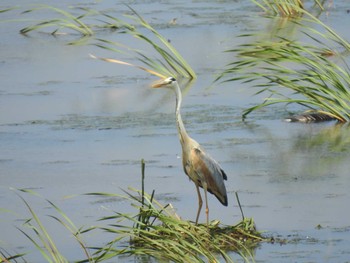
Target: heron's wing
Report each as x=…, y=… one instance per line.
x=209, y=172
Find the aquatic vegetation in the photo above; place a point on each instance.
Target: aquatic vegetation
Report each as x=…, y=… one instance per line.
x=311, y=73
x=86, y=22
x=284, y=8
x=158, y=232
x=42, y=240
x=6, y=257
x=155, y=231
x=66, y=21
x=169, y=63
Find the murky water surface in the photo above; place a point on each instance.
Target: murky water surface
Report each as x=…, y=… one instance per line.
x=71, y=125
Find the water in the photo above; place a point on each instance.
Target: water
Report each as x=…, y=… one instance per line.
x=70, y=125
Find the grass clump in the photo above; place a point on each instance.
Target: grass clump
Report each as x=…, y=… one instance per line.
x=284, y=8
x=169, y=61
x=66, y=20
x=84, y=21
x=42, y=239
x=311, y=73
x=155, y=231
x=158, y=232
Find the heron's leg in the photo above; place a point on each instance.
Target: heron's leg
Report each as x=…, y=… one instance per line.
x=206, y=204
x=200, y=203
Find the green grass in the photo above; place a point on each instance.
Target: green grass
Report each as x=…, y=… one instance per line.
x=65, y=20
x=169, y=61
x=165, y=60
x=84, y=21
x=153, y=231
x=312, y=73
x=284, y=8
x=42, y=239
x=158, y=232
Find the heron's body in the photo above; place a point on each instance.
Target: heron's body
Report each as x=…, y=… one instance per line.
x=203, y=170
x=200, y=167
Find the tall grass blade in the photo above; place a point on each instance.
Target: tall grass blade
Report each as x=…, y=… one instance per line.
x=67, y=20
x=284, y=8
x=7, y=258
x=170, y=63
x=313, y=79
x=69, y=225
x=128, y=64
x=175, y=56
x=49, y=250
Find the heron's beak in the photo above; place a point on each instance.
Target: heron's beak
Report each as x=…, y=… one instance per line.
x=159, y=83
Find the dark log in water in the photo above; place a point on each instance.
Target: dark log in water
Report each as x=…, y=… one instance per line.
x=310, y=117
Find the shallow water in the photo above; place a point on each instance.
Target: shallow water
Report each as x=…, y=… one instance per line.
x=70, y=125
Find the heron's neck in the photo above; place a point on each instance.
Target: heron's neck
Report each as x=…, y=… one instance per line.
x=180, y=125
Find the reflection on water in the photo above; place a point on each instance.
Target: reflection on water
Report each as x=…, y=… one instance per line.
x=332, y=141
x=71, y=125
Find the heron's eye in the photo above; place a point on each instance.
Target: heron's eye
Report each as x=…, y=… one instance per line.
x=172, y=79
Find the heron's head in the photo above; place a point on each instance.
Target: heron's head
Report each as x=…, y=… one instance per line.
x=168, y=82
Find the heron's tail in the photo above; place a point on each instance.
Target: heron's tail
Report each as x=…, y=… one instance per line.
x=221, y=197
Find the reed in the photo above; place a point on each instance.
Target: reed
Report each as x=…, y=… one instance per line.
x=156, y=231
x=159, y=233
x=42, y=240
x=169, y=63
x=40, y=237
x=284, y=8
x=66, y=20
x=311, y=73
